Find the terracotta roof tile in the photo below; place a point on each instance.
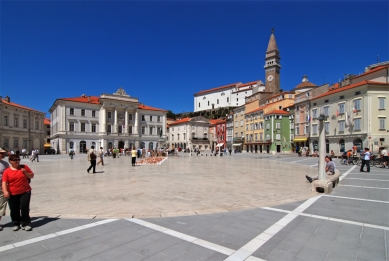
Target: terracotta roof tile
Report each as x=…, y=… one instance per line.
x=46, y=121
x=83, y=99
x=258, y=109
x=304, y=85
x=229, y=86
x=180, y=121
x=149, y=108
x=278, y=112
x=348, y=87
x=17, y=105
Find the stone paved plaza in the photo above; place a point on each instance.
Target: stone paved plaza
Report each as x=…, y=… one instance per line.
x=240, y=207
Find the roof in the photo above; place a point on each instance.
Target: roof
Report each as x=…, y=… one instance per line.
x=17, y=105
x=258, y=109
x=348, y=87
x=180, y=121
x=83, y=99
x=378, y=68
x=217, y=121
x=304, y=85
x=46, y=121
x=278, y=94
x=272, y=43
x=229, y=86
x=282, y=112
x=249, y=83
x=149, y=108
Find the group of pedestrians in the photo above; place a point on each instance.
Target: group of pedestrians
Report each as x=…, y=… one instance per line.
x=16, y=191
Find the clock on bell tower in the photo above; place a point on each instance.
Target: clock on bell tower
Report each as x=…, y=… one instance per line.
x=272, y=66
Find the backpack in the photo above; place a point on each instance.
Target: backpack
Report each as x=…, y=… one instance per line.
x=92, y=155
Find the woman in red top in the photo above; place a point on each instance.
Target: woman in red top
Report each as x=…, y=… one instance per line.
x=17, y=189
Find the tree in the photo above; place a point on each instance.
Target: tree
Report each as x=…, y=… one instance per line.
x=170, y=115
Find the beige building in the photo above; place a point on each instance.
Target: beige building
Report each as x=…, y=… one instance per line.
x=21, y=127
x=238, y=130
x=356, y=112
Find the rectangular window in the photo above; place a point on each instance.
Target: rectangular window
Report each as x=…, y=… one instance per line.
x=158, y=118
x=297, y=130
x=278, y=136
x=71, y=126
x=130, y=129
x=199, y=105
x=93, y=113
x=357, y=93
x=159, y=129
x=247, y=137
x=341, y=108
x=382, y=123
x=151, y=118
x=16, y=143
x=306, y=129
x=314, y=129
x=314, y=114
x=297, y=118
x=217, y=101
x=16, y=122
x=143, y=130
x=93, y=127
x=247, y=127
x=236, y=124
x=357, y=124
x=37, y=125
x=341, y=125
x=172, y=137
x=151, y=131
x=109, y=115
x=25, y=124
x=278, y=125
x=357, y=105
x=25, y=144
x=71, y=111
x=6, y=143
x=381, y=103
x=326, y=101
x=241, y=123
x=341, y=97
x=326, y=111
x=82, y=127
x=82, y=112
x=327, y=127
x=260, y=136
x=6, y=121
x=228, y=99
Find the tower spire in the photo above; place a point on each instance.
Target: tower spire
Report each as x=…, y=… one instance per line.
x=272, y=46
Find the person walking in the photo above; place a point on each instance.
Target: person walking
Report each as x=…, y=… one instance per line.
x=37, y=155
x=133, y=156
x=3, y=201
x=366, y=160
x=92, y=158
x=24, y=153
x=101, y=156
x=16, y=188
x=71, y=153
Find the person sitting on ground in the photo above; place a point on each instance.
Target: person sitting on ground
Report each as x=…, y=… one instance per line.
x=330, y=169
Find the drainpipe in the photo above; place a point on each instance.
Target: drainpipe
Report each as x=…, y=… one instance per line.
x=272, y=129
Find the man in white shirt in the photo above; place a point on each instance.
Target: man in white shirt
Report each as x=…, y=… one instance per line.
x=384, y=154
x=366, y=160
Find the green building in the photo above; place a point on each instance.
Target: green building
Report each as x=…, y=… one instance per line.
x=278, y=131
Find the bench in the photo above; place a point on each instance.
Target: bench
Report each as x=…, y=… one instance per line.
x=328, y=185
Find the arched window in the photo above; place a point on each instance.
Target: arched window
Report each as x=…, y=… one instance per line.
x=109, y=145
x=327, y=146
x=151, y=146
x=142, y=145
x=94, y=144
x=71, y=144
x=82, y=146
x=315, y=145
x=358, y=143
x=342, y=147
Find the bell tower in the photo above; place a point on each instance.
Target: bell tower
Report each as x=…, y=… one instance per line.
x=272, y=65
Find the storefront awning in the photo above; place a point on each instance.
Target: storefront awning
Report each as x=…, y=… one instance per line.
x=236, y=144
x=47, y=145
x=220, y=144
x=300, y=139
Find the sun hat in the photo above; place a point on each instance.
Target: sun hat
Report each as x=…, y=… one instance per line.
x=2, y=151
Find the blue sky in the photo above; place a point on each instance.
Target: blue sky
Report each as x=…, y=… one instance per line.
x=163, y=52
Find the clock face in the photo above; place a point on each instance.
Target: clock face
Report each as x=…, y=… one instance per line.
x=270, y=78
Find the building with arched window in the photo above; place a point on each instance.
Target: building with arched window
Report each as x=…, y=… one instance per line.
x=109, y=121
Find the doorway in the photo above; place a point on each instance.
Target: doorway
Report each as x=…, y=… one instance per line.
x=82, y=146
x=121, y=145
x=278, y=148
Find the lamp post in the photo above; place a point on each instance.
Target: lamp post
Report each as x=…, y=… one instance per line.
x=322, y=149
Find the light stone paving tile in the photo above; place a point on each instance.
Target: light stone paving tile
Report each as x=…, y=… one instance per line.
x=369, y=254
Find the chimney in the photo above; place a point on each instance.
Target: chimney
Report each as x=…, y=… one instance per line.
x=7, y=99
x=88, y=98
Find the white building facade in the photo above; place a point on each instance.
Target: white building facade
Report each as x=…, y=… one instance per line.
x=109, y=121
x=232, y=95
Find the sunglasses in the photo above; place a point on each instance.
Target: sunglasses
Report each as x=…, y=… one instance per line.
x=16, y=160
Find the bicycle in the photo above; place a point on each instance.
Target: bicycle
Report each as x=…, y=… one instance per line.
x=378, y=162
x=343, y=161
x=357, y=161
